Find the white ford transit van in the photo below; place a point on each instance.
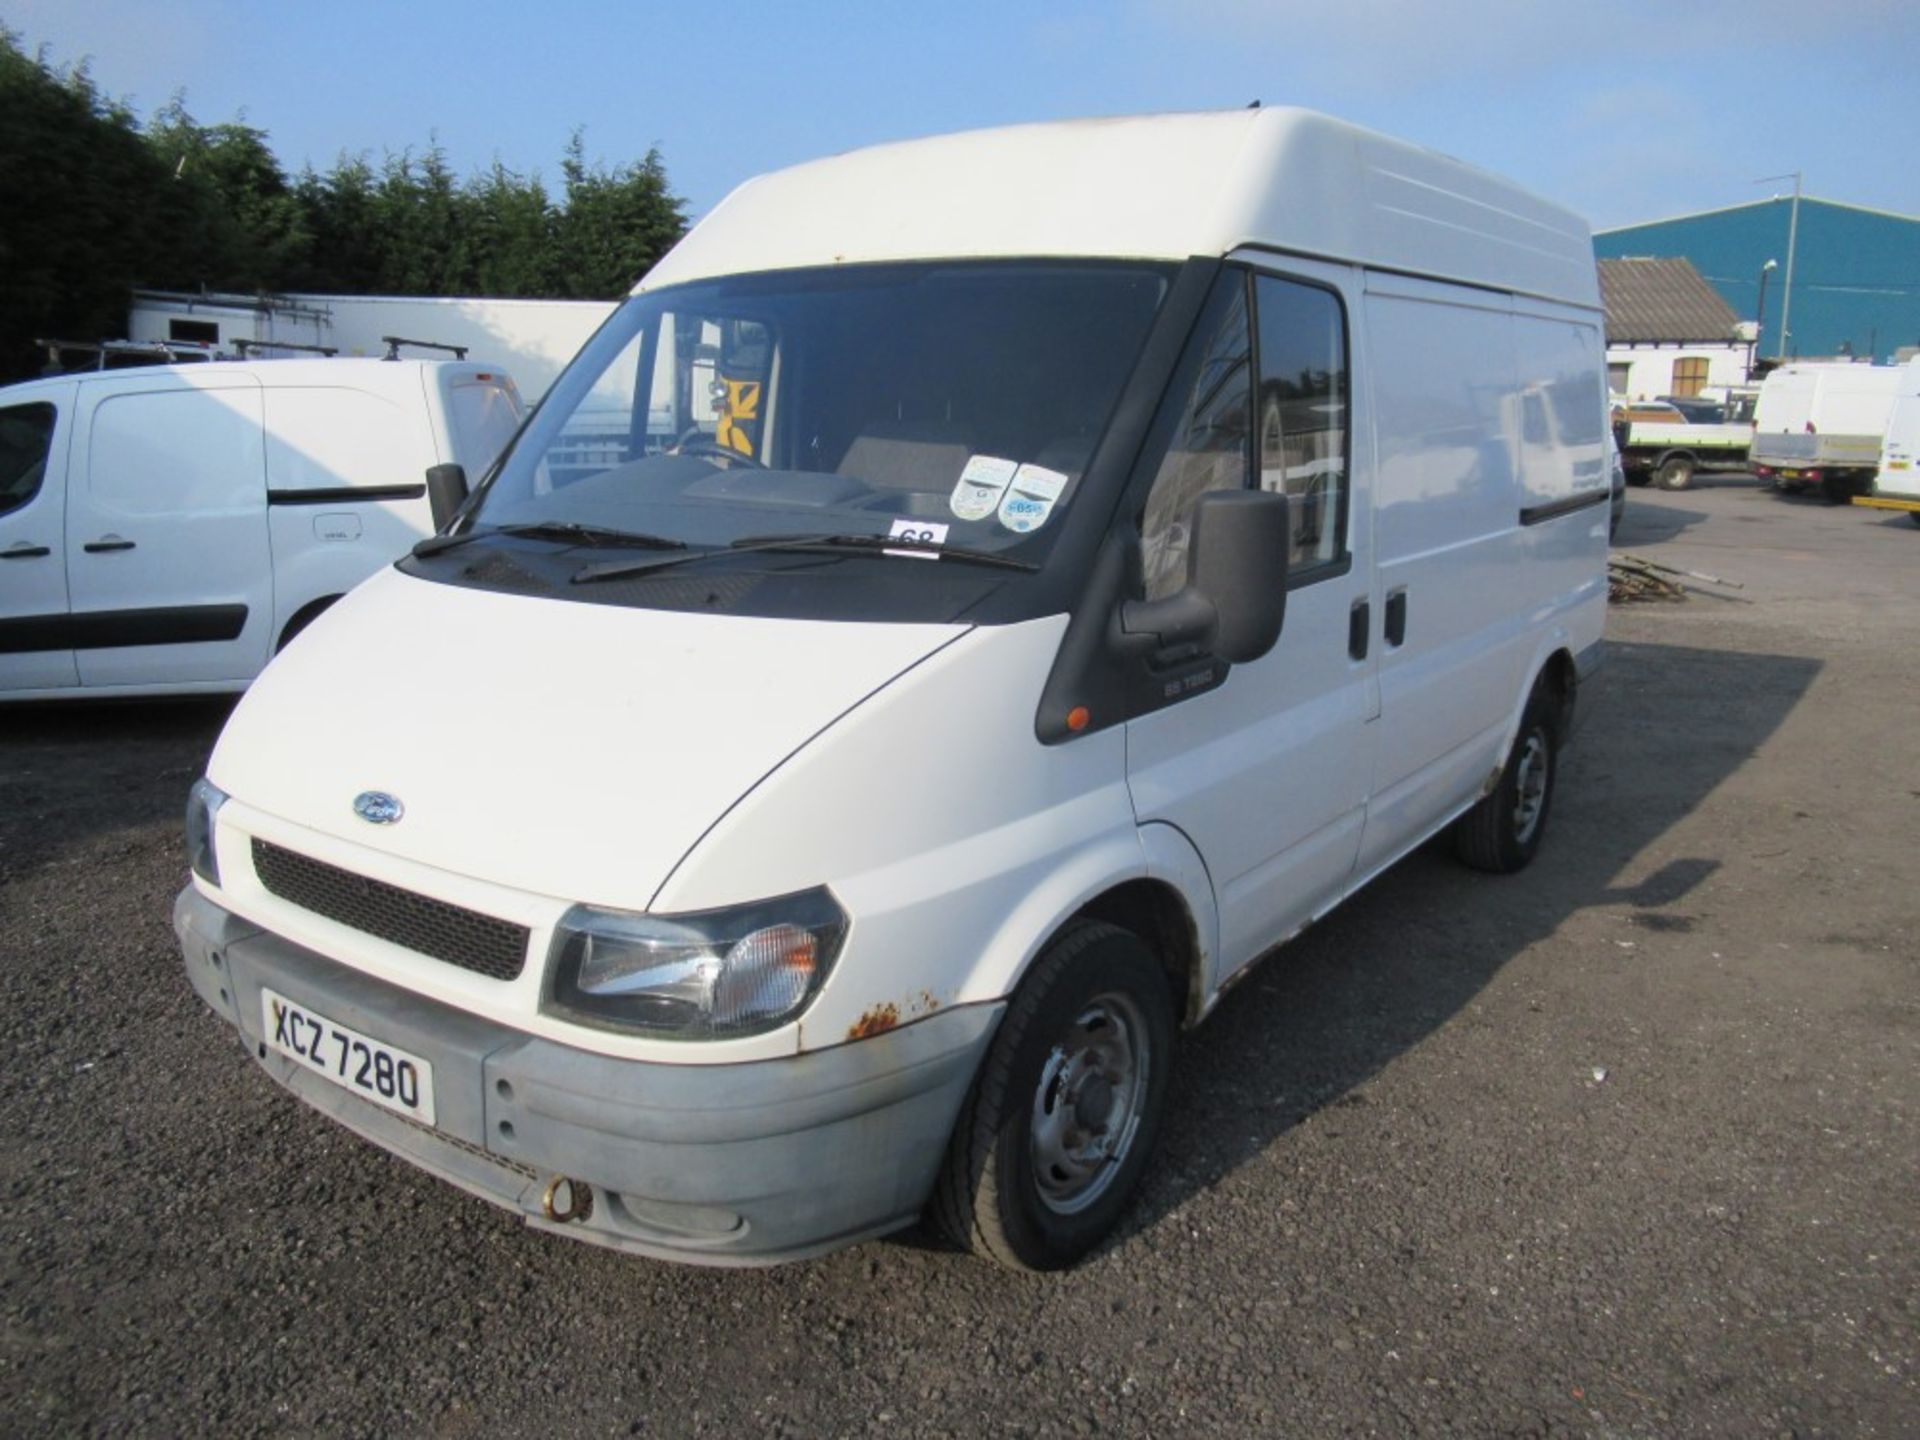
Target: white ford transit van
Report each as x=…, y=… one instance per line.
x=974, y=598
x=167, y=529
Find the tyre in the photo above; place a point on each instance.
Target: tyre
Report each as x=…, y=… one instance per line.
x=1676, y=472
x=1066, y=1108
x=1914, y=515
x=1502, y=833
x=1837, y=489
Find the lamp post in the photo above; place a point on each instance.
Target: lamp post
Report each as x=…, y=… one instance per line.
x=1793, y=235
x=1760, y=314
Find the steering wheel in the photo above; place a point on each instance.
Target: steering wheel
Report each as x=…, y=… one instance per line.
x=698, y=442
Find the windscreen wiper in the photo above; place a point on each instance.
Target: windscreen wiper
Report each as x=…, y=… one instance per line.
x=568, y=530
x=806, y=544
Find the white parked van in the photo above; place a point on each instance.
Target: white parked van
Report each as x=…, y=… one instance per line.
x=1896, y=485
x=1037, y=572
x=167, y=529
x=1820, y=423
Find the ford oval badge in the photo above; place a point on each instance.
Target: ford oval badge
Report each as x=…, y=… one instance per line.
x=376, y=807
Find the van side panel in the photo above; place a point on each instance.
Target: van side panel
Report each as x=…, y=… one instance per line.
x=1492, y=520
x=1447, y=501
x=346, y=485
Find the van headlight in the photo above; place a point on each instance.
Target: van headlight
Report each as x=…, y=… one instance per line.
x=708, y=975
x=203, y=805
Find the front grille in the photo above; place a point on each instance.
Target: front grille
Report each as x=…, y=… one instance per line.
x=451, y=933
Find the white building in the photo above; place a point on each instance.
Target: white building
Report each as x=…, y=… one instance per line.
x=1669, y=332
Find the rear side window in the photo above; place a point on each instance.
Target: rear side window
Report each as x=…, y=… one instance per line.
x=482, y=416
x=26, y=437
x=1303, y=416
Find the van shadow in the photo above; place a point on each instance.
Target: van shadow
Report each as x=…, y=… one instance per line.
x=72, y=773
x=1320, y=1018
x=1644, y=525
x=1897, y=520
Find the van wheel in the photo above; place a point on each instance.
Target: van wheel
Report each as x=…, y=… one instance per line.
x=1837, y=490
x=1502, y=832
x=1066, y=1107
x=1914, y=515
x=1676, y=472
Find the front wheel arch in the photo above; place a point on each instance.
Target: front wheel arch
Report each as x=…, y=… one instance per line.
x=303, y=617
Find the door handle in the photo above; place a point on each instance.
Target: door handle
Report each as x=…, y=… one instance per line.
x=1359, y=626
x=1396, y=628
x=24, y=551
x=106, y=543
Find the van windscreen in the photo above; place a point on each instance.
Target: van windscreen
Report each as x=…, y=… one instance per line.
x=955, y=403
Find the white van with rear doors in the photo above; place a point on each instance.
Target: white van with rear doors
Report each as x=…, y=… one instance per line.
x=971, y=601
x=167, y=529
x=1821, y=423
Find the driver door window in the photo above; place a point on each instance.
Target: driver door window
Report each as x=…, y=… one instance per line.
x=1208, y=447
x=1303, y=417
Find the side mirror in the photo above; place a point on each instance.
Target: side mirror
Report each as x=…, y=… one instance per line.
x=1235, y=599
x=446, y=492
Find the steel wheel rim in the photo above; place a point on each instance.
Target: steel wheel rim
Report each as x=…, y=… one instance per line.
x=1530, y=786
x=1088, y=1104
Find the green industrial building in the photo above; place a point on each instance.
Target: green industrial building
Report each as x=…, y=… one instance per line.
x=1855, y=272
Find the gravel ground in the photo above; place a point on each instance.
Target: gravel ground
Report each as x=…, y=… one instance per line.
x=1622, y=1146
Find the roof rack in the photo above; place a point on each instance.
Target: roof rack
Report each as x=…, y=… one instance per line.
x=243, y=346
x=394, y=342
x=103, y=353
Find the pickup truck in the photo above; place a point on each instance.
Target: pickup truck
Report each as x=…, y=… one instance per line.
x=1660, y=443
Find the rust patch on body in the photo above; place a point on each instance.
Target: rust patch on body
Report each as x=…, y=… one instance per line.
x=876, y=1021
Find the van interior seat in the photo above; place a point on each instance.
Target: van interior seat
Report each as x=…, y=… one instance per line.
x=922, y=455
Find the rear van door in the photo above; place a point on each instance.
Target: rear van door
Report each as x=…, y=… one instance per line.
x=36, y=651
x=166, y=534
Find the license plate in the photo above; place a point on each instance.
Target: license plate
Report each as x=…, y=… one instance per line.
x=370, y=1068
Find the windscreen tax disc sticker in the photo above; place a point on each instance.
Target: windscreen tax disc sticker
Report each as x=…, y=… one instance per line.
x=1029, y=498
x=981, y=485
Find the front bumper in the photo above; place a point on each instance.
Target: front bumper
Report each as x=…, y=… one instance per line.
x=744, y=1164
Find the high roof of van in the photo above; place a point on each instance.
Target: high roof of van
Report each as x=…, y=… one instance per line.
x=1149, y=187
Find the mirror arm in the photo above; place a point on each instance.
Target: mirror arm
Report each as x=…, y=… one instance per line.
x=1187, y=617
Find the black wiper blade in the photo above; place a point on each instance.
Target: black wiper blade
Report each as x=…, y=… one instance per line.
x=567, y=530
x=883, y=543
x=590, y=535
x=807, y=544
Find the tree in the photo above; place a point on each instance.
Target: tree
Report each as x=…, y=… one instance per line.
x=79, y=190
x=92, y=205
x=616, y=224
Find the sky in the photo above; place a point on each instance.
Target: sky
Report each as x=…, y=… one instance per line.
x=1626, y=111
